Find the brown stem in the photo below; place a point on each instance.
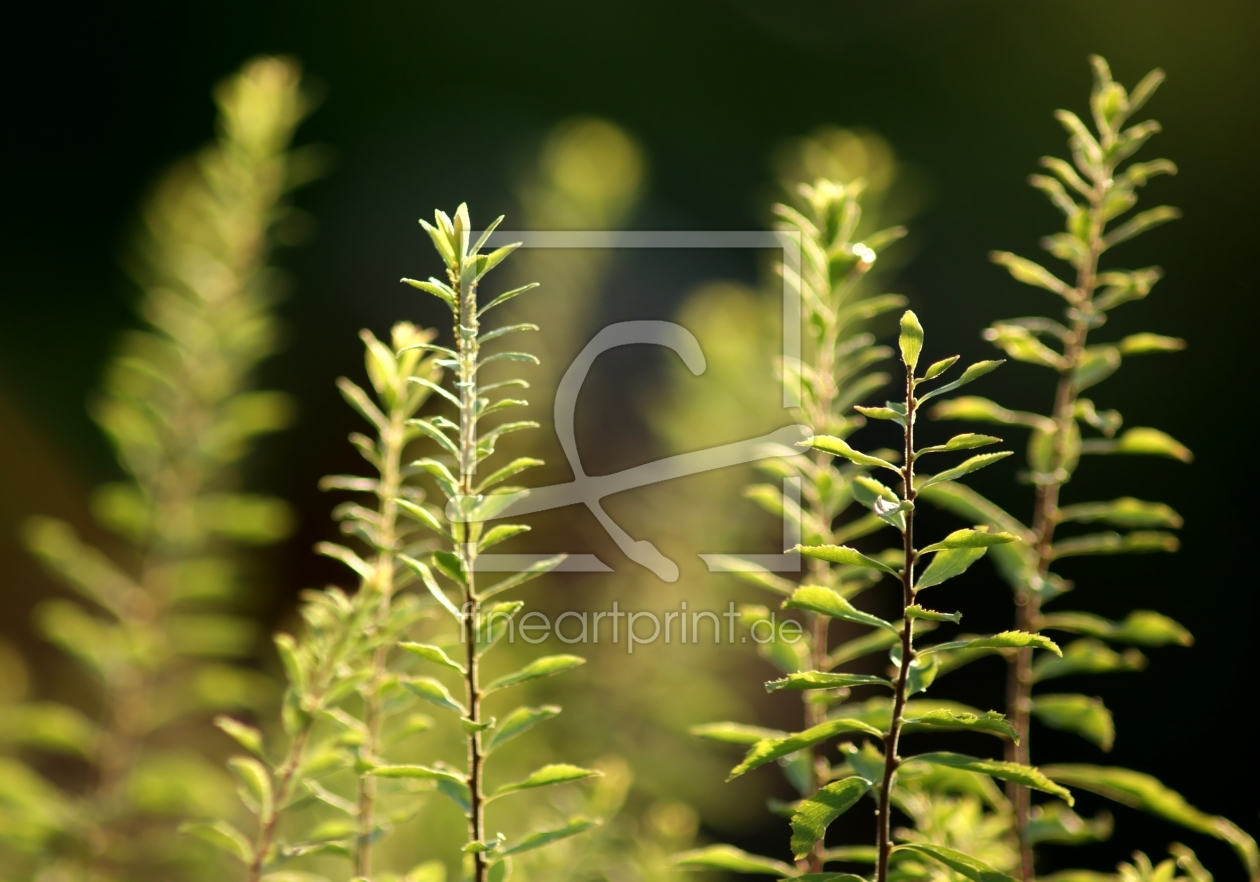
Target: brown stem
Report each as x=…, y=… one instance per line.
x=1046, y=516
x=284, y=781
x=893, y=737
x=466, y=547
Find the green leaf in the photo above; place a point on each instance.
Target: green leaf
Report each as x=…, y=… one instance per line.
x=424, y=516
x=969, y=539
x=222, y=835
x=546, y=666
x=827, y=602
x=1097, y=364
x=973, y=408
x=1140, y=441
x=1137, y=542
x=433, y=692
x=1087, y=717
x=946, y=565
x=546, y=837
x=814, y=814
x=1022, y=344
x=911, y=340
x=973, y=372
x=505, y=297
x=1124, y=512
x=732, y=860
x=939, y=720
x=1055, y=823
x=555, y=773
x=347, y=557
x=428, y=429
x=1020, y=774
x=960, y=863
x=451, y=566
x=735, y=733
x=255, y=781
x=246, y=736
x=1148, y=794
x=882, y=413
x=51, y=727
x=772, y=748
x=1001, y=640
x=936, y=368
x=804, y=680
x=433, y=654
x=1140, y=223
x=967, y=441
x=839, y=447
x=914, y=611
x=1142, y=627
x=533, y=571
x=1087, y=657
x=842, y=554
x=440, y=290
x=500, y=533
x=1024, y=270
x=450, y=783
x=518, y=722
x=1139, y=344
x=968, y=466
x=426, y=576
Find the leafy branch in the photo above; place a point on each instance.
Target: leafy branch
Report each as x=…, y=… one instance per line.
x=156, y=630
x=1095, y=192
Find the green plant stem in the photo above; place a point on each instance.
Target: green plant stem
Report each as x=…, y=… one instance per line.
x=284, y=783
x=892, y=739
x=1046, y=514
x=393, y=440
x=466, y=328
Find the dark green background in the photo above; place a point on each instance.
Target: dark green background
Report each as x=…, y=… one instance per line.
x=428, y=104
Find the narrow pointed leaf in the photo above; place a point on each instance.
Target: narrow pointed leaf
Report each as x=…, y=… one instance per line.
x=546, y=666
x=555, y=773
x=946, y=565
x=1148, y=794
x=733, y=860
x=518, y=722
x=1142, y=627
x=829, y=603
x=433, y=654
x=969, y=539
x=735, y=733
x=426, y=576
x=1020, y=774
x=963, y=864
x=804, y=680
x=839, y=447
x=842, y=554
x=433, y=692
x=773, y=748
x=972, y=373
x=989, y=722
x=814, y=814
x=914, y=611
x=546, y=837
x=1002, y=640
x=1087, y=717
x=967, y=441
x=968, y=466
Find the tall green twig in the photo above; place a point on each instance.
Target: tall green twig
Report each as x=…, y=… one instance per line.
x=179, y=405
x=1094, y=192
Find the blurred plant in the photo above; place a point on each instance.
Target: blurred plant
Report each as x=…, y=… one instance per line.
x=345, y=702
x=830, y=791
x=469, y=503
x=1093, y=192
x=156, y=632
